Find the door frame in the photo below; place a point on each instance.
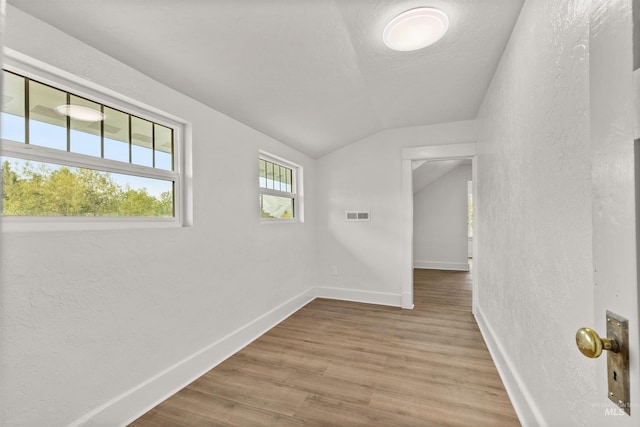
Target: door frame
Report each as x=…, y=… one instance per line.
x=615, y=180
x=466, y=150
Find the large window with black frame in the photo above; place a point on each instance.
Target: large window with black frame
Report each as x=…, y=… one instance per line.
x=66, y=155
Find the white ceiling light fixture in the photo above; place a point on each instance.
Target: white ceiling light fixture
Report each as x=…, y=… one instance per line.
x=415, y=29
x=78, y=112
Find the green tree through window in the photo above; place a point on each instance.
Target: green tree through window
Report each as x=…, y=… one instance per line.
x=40, y=189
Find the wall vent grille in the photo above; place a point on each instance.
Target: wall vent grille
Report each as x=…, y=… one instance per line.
x=358, y=216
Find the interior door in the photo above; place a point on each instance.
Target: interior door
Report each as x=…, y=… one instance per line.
x=614, y=192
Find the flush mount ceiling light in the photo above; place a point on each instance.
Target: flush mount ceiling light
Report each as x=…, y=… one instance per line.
x=78, y=112
x=415, y=29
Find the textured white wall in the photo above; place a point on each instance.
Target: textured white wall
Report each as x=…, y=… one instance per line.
x=533, y=208
x=367, y=175
x=440, y=219
x=87, y=315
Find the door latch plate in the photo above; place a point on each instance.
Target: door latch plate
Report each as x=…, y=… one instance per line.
x=618, y=363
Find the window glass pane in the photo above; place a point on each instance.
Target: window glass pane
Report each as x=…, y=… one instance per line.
x=44, y=189
x=163, y=147
x=270, y=175
x=263, y=174
x=141, y=142
x=273, y=176
x=289, y=181
x=279, y=170
x=40, y=188
x=116, y=135
x=276, y=207
x=13, y=108
x=47, y=127
x=285, y=178
x=85, y=135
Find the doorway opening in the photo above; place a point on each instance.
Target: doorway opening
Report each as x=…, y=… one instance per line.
x=445, y=157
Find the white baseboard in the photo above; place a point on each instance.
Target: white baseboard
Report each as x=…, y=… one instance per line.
x=442, y=265
x=407, y=300
x=135, y=402
x=382, y=298
x=523, y=403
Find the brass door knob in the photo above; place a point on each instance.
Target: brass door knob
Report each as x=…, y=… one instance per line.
x=591, y=345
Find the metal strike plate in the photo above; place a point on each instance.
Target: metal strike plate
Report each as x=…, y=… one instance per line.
x=618, y=363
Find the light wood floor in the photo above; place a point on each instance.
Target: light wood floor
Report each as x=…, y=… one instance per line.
x=336, y=363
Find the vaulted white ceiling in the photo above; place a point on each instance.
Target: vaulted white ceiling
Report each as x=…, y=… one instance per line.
x=313, y=74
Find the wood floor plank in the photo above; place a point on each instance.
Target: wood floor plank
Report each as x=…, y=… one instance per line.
x=278, y=398
x=336, y=363
x=326, y=411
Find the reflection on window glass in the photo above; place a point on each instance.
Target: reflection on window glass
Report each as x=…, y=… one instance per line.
x=47, y=127
x=45, y=189
x=119, y=136
x=163, y=147
x=85, y=135
x=276, y=207
x=116, y=135
x=141, y=142
x=13, y=108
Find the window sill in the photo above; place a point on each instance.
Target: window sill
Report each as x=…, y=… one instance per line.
x=39, y=224
x=279, y=221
